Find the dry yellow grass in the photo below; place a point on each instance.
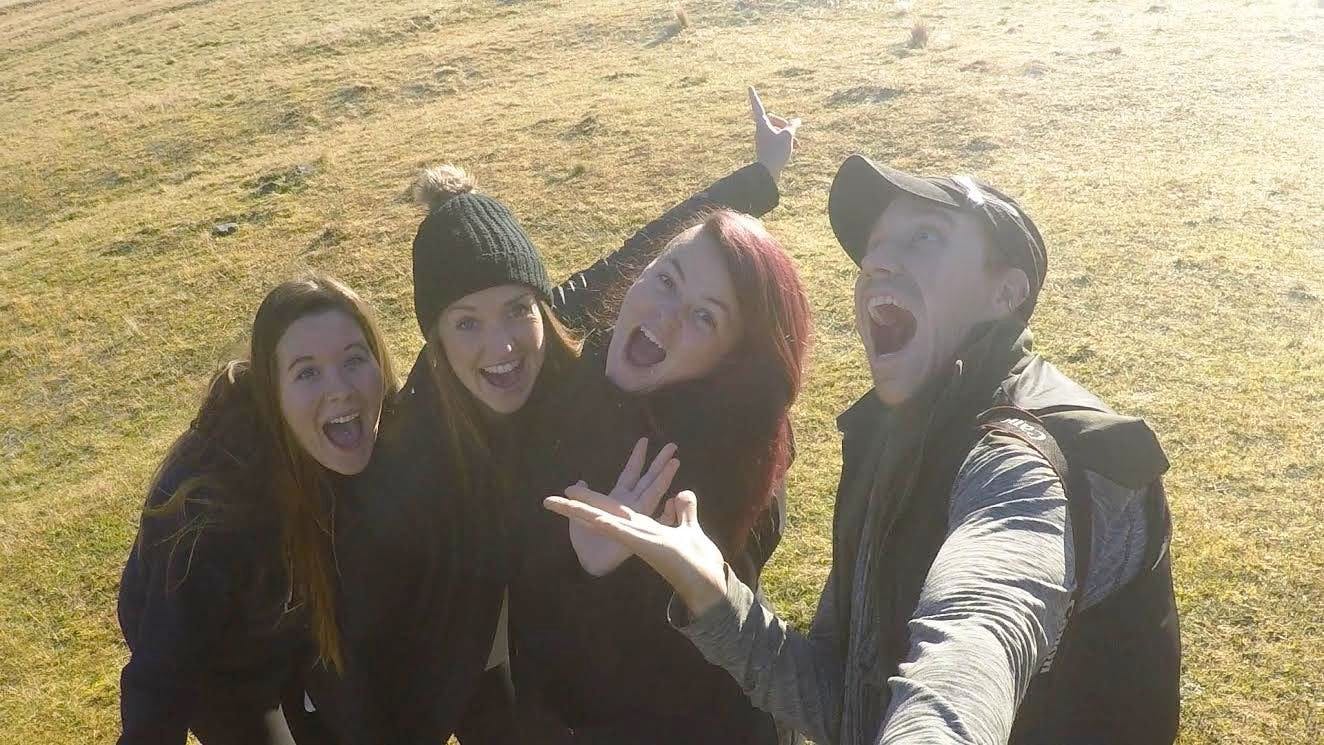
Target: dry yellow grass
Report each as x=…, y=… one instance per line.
x=1172, y=154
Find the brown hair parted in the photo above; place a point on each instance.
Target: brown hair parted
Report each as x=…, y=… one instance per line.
x=472, y=448
x=243, y=458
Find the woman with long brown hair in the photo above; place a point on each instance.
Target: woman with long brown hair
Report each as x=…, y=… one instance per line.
x=431, y=539
x=229, y=590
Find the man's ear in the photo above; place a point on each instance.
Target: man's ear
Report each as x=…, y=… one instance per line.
x=1013, y=289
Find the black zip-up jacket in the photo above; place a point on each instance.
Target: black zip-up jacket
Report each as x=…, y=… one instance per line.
x=424, y=567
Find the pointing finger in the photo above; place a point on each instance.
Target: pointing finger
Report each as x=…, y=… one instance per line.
x=756, y=106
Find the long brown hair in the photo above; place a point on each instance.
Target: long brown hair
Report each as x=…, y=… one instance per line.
x=473, y=452
x=243, y=459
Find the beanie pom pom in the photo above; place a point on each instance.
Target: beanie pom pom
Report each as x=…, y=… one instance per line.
x=439, y=184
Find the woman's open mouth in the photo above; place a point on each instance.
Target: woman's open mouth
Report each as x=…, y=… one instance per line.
x=643, y=350
x=344, y=431
x=891, y=327
x=504, y=376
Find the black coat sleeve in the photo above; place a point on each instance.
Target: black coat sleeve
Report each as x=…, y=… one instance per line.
x=579, y=301
x=175, y=600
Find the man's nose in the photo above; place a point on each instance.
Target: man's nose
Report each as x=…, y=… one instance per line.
x=879, y=260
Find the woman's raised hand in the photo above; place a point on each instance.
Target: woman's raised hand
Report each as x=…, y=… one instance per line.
x=676, y=548
x=636, y=492
x=774, y=137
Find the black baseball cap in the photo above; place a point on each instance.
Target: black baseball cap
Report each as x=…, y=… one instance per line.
x=862, y=189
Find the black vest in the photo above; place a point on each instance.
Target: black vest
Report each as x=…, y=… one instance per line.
x=1114, y=677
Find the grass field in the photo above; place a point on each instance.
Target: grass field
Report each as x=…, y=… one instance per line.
x=1171, y=151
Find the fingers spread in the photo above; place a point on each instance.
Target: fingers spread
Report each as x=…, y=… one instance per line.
x=653, y=493
x=634, y=466
x=659, y=464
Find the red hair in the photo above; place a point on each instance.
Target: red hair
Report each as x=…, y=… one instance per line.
x=767, y=365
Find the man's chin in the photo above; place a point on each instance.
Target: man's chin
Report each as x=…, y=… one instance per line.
x=892, y=382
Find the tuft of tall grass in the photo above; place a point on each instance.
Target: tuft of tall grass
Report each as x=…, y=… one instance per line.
x=682, y=16
x=919, y=34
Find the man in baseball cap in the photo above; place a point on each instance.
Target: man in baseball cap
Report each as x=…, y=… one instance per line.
x=1000, y=569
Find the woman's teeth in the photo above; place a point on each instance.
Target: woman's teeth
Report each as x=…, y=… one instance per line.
x=643, y=350
x=344, y=431
x=505, y=375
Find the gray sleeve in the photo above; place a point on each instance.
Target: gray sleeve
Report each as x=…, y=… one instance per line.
x=993, y=605
x=795, y=677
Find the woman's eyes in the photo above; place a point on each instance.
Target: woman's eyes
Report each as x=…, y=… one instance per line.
x=666, y=280
x=356, y=360
x=706, y=317
x=466, y=324
x=306, y=373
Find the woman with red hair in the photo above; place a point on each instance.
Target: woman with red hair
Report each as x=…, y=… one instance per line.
x=707, y=353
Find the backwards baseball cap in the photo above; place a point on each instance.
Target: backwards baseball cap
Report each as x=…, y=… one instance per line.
x=862, y=189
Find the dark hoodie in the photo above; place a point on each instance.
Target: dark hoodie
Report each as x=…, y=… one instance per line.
x=424, y=565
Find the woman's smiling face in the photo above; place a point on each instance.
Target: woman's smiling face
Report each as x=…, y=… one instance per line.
x=494, y=341
x=331, y=389
x=679, y=318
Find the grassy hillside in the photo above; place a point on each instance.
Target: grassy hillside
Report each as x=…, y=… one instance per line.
x=1170, y=150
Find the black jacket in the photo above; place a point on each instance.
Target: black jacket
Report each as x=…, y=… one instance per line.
x=1114, y=678
x=205, y=618
x=423, y=566
x=597, y=655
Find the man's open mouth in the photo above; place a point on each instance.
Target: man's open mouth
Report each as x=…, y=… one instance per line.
x=505, y=376
x=891, y=326
x=643, y=350
x=344, y=431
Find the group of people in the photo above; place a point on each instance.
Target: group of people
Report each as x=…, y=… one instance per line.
x=327, y=555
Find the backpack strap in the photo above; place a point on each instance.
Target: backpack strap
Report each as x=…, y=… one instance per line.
x=1029, y=429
